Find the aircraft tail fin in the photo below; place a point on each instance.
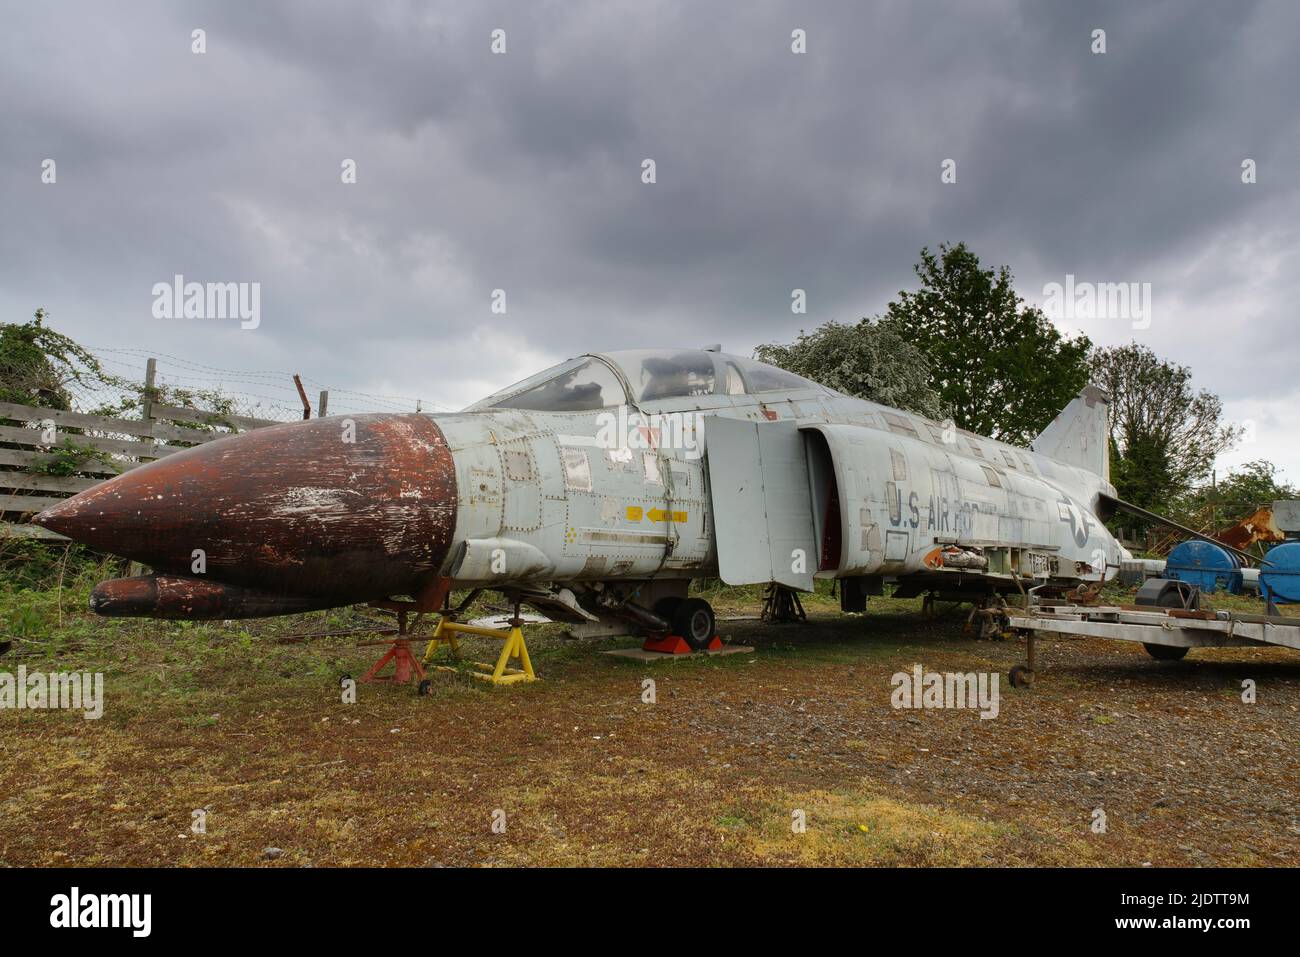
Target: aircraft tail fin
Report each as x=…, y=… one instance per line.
x=1080, y=435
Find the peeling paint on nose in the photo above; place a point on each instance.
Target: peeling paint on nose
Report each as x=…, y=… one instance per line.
x=356, y=508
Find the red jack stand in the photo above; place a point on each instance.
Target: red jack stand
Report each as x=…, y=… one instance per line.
x=676, y=645
x=405, y=664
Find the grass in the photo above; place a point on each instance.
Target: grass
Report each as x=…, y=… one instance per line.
x=852, y=827
x=245, y=721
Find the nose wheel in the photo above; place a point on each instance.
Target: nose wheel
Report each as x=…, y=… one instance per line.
x=692, y=627
x=694, y=620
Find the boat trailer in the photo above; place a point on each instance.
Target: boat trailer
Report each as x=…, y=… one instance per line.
x=1167, y=633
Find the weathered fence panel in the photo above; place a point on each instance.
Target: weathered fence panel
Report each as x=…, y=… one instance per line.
x=30, y=466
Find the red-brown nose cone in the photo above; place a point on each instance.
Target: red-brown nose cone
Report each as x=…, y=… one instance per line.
x=355, y=508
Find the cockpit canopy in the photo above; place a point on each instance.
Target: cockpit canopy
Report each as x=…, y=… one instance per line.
x=597, y=381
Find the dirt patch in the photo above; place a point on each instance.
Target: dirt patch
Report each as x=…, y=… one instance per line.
x=581, y=770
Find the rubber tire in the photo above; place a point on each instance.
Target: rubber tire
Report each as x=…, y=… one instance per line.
x=1166, y=652
x=424, y=688
x=694, y=620
x=667, y=607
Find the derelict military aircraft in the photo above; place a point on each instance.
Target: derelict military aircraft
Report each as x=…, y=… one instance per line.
x=595, y=491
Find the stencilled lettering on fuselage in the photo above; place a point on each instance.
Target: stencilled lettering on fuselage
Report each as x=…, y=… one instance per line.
x=943, y=515
x=949, y=516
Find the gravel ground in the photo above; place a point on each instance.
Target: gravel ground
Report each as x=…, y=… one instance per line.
x=582, y=770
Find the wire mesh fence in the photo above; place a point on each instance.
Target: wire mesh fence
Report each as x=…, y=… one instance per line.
x=261, y=394
x=72, y=417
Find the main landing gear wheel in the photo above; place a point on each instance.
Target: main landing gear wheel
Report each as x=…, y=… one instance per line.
x=665, y=608
x=1165, y=652
x=693, y=619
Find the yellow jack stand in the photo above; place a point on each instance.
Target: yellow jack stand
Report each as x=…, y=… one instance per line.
x=502, y=674
x=439, y=639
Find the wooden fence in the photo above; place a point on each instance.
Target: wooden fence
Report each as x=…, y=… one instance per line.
x=38, y=445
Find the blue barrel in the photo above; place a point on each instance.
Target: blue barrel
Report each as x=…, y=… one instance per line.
x=1208, y=566
x=1279, y=580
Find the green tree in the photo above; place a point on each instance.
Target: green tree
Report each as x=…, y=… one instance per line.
x=1238, y=495
x=1000, y=368
x=39, y=367
x=864, y=360
x=38, y=364
x=1165, y=436
x=1141, y=477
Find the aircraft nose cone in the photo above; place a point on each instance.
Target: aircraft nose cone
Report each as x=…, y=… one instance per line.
x=356, y=508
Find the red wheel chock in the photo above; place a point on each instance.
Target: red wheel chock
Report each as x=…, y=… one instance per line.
x=676, y=645
x=405, y=664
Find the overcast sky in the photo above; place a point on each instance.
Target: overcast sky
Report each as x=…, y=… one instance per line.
x=522, y=171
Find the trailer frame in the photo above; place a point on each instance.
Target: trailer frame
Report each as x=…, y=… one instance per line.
x=1168, y=627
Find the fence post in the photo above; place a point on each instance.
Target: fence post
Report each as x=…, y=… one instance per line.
x=323, y=403
x=146, y=402
x=302, y=394
x=146, y=414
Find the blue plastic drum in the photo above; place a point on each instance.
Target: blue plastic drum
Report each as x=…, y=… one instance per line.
x=1206, y=565
x=1279, y=580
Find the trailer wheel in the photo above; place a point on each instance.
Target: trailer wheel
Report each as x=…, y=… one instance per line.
x=694, y=620
x=1165, y=652
x=1020, y=677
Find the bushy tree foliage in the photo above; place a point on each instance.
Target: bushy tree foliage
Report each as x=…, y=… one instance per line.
x=863, y=360
x=999, y=367
x=1165, y=434
x=1237, y=495
x=38, y=365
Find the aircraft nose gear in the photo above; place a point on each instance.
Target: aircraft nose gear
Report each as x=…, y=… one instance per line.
x=693, y=627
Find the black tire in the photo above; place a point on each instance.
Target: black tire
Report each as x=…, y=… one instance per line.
x=694, y=620
x=1169, y=593
x=1165, y=652
x=424, y=688
x=666, y=608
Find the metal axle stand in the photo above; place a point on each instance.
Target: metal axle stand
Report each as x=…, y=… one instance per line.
x=502, y=673
x=405, y=665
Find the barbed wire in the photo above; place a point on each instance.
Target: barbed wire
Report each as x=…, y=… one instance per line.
x=257, y=393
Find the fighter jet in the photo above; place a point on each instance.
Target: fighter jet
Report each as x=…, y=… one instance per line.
x=596, y=491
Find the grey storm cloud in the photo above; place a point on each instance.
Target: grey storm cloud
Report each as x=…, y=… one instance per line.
x=521, y=172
